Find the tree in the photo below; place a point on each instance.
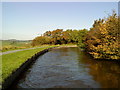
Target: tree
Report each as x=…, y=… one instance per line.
x=102, y=40
x=40, y=40
x=81, y=38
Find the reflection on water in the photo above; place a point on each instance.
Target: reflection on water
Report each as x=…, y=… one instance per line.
x=70, y=67
x=107, y=73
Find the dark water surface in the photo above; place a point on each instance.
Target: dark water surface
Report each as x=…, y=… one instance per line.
x=70, y=68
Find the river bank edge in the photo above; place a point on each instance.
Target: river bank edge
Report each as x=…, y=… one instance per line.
x=15, y=74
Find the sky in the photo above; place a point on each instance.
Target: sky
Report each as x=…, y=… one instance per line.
x=26, y=20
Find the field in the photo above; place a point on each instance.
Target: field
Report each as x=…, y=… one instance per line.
x=6, y=45
x=12, y=61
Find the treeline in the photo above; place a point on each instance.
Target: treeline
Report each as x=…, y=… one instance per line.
x=59, y=36
x=102, y=41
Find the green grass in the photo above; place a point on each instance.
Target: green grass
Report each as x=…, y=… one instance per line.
x=18, y=48
x=14, y=43
x=14, y=48
x=12, y=61
x=7, y=45
x=0, y=72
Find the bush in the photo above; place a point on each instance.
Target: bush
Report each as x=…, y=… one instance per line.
x=103, y=41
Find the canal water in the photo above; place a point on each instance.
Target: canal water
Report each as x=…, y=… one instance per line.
x=70, y=67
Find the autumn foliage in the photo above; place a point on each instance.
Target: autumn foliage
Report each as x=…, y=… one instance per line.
x=102, y=41
x=59, y=36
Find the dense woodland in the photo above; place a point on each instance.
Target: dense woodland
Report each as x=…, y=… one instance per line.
x=60, y=37
x=102, y=41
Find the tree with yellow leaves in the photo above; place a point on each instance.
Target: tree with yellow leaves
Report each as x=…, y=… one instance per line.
x=103, y=40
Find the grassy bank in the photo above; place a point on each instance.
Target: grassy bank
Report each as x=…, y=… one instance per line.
x=12, y=61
